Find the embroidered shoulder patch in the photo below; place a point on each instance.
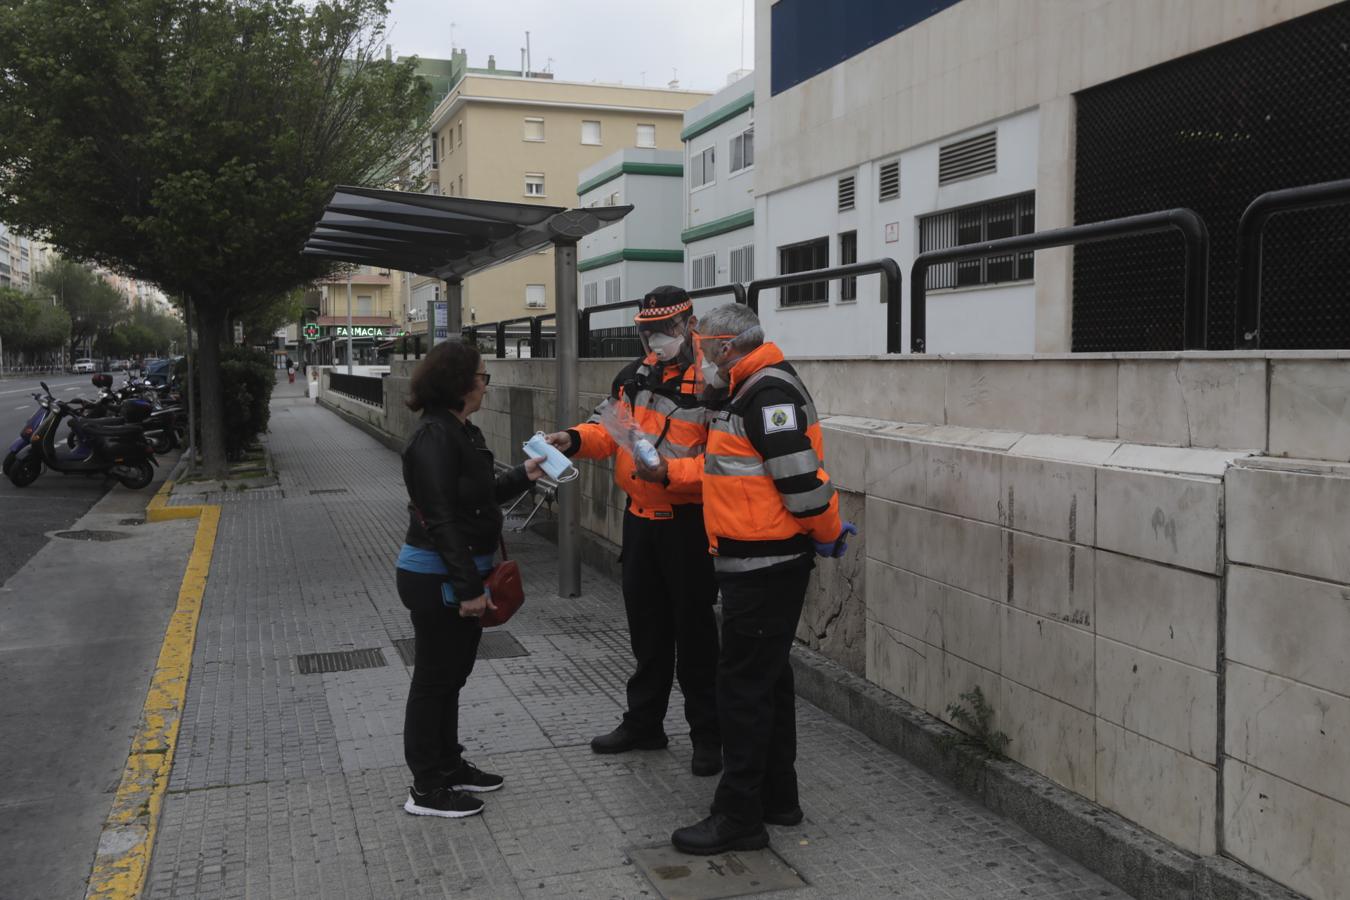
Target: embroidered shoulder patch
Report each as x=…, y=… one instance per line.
x=780, y=418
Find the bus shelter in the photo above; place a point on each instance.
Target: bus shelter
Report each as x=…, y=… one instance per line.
x=451, y=238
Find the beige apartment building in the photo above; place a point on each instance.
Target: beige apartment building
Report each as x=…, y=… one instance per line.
x=526, y=140
x=377, y=316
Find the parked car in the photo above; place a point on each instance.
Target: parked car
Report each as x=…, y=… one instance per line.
x=160, y=372
x=83, y=367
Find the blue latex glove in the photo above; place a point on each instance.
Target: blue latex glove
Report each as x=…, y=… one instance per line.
x=836, y=548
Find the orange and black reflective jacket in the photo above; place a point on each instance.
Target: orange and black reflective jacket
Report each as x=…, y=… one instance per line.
x=766, y=495
x=664, y=401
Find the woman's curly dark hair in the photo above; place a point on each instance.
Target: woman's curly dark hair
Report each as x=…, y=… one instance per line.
x=444, y=377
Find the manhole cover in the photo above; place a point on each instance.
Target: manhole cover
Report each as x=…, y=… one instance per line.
x=677, y=876
x=329, y=491
x=493, y=645
x=92, y=535
x=340, y=661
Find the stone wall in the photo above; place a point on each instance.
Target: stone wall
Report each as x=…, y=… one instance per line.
x=1141, y=560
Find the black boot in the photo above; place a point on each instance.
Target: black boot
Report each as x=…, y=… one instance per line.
x=707, y=759
x=788, y=817
x=718, y=834
x=621, y=740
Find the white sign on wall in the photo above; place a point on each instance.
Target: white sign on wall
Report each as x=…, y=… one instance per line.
x=892, y=232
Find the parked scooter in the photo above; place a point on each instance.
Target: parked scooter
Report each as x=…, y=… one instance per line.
x=23, y=476
x=109, y=446
x=164, y=428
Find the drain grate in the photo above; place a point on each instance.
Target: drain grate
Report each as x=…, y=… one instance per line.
x=493, y=645
x=92, y=535
x=328, y=491
x=130, y=521
x=340, y=661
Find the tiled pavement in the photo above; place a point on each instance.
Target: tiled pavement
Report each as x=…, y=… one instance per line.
x=290, y=785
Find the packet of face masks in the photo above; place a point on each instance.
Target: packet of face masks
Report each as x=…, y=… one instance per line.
x=618, y=421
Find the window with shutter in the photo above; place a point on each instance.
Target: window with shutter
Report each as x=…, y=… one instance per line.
x=536, y=296
x=848, y=253
x=646, y=135
x=989, y=221
x=590, y=294
x=613, y=289
x=590, y=131
x=534, y=129
x=704, y=271
x=804, y=257
x=846, y=192
x=743, y=264
x=969, y=158
x=889, y=181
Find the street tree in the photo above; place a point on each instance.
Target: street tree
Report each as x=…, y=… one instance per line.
x=30, y=325
x=93, y=305
x=193, y=143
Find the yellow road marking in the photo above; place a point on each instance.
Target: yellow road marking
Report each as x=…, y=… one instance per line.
x=128, y=838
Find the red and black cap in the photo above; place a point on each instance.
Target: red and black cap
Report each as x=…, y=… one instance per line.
x=662, y=303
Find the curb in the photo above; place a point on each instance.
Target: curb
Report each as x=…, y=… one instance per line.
x=391, y=441
x=1135, y=860
x=128, y=839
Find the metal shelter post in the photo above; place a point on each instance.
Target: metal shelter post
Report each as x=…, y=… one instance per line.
x=349, y=321
x=454, y=309
x=568, y=401
x=191, y=451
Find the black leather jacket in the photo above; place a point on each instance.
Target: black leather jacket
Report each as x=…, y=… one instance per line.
x=453, y=496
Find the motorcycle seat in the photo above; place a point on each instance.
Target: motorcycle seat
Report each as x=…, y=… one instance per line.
x=103, y=429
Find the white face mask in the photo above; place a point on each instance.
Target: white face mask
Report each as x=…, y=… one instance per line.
x=711, y=377
x=664, y=346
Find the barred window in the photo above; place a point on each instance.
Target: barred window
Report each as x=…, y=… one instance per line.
x=848, y=253
x=989, y=221
x=705, y=271
x=804, y=257
x=743, y=264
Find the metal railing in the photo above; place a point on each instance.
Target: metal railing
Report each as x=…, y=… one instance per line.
x=735, y=289
x=1191, y=226
x=887, y=268
x=1251, y=230
x=363, y=387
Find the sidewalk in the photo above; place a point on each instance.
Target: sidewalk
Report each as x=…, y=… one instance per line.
x=290, y=785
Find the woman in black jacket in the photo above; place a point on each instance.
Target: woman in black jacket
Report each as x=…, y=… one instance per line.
x=454, y=530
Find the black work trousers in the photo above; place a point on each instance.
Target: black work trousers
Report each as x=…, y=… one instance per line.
x=446, y=646
x=755, y=697
x=668, y=593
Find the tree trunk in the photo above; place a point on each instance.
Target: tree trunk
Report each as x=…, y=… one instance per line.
x=210, y=327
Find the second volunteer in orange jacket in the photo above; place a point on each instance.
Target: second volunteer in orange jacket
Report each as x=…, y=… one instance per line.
x=669, y=587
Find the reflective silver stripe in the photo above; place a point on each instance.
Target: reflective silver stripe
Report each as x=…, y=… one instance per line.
x=697, y=414
x=670, y=409
x=792, y=381
x=729, y=423
x=744, y=466
x=803, y=462
x=680, y=451
x=599, y=411
x=737, y=564
x=815, y=498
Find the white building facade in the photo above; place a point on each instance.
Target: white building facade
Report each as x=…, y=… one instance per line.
x=641, y=251
x=932, y=125
x=719, y=199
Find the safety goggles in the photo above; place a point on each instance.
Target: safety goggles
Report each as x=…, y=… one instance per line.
x=710, y=346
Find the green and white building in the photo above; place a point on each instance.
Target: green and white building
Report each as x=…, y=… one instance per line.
x=719, y=189
x=642, y=250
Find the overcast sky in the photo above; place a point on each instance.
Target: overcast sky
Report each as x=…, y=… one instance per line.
x=588, y=40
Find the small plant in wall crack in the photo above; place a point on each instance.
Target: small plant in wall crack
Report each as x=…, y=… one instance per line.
x=975, y=722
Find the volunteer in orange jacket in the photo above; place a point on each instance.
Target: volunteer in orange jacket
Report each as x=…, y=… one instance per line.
x=668, y=585
x=770, y=510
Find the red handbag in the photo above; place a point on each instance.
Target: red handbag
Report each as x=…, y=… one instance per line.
x=505, y=590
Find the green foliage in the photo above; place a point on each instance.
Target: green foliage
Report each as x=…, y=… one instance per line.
x=194, y=143
x=247, y=379
x=977, y=723
x=30, y=324
x=93, y=305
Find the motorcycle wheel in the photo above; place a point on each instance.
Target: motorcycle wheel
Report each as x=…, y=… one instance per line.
x=24, y=472
x=135, y=475
x=163, y=441
x=9, y=461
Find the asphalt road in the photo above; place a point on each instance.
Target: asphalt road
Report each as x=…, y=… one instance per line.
x=54, y=501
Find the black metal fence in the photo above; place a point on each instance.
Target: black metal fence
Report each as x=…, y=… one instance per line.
x=1196, y=268
x=361, y=387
